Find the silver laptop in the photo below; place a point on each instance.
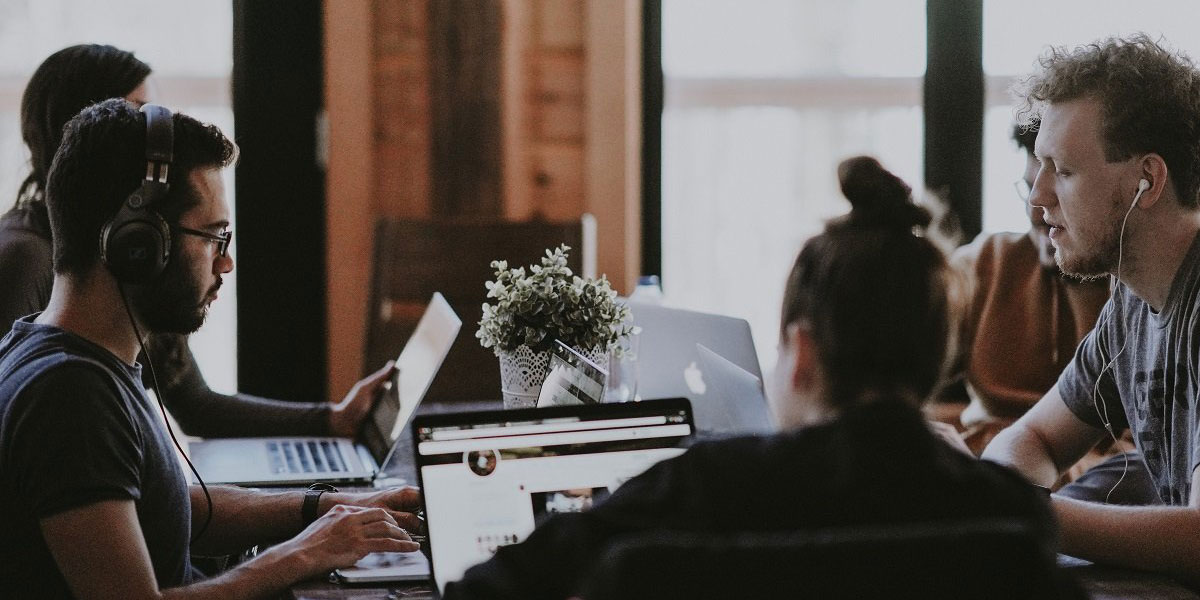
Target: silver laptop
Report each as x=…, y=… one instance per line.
x=727, y=399
x=303, y=460
x=669, y=363
x=488, y=478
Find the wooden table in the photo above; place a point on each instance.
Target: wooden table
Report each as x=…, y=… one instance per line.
x=1100, y=582
x=1112, y=583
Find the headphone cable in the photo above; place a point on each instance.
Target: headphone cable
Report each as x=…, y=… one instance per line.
x=158, y=395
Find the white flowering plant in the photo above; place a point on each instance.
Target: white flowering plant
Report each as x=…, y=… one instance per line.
x=550, y=303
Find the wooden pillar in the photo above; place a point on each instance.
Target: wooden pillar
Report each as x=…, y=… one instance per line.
x=465, y=125
x=954, y=105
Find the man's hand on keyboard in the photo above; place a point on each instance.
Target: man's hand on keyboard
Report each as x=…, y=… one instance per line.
x=342, y=536
x=401, y=504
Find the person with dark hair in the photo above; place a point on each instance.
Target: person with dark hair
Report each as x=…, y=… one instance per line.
x=62, y=85
x=864, y=330
x=1119, y=153
x=96, y=503
x=1024, y=320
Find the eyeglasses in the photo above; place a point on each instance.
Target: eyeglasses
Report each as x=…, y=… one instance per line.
x=1023, y=190
x=221, y=239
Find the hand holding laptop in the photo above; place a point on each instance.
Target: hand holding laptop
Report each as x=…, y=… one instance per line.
x=346, y=416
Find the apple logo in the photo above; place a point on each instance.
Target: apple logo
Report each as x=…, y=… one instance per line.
x=695, y=379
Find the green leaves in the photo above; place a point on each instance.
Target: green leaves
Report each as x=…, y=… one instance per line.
x=551, y=303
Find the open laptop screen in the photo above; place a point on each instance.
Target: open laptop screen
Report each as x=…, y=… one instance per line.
x=488, y=478
x=416, y=368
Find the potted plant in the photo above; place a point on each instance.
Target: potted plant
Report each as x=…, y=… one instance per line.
x=533, y=309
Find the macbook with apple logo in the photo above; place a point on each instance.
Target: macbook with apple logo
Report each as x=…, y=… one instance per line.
x=709, y=359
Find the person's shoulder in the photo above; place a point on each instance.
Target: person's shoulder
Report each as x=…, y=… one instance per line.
x=756, y=444
x=749, y=455
x=995, y=246
x=59, y=370
x=39, y=355
x=62, y=392
x=25, y=222
x=24, y=239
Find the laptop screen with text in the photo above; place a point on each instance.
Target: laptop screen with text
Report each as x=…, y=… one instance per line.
x=489, y=478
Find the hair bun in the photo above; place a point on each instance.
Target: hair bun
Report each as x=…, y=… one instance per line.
x=877, y=197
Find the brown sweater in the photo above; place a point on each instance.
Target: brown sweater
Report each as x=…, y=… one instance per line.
x=1021, y=328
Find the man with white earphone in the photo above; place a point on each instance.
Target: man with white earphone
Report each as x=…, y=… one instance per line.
x=1022, y=325
x=1119, y=153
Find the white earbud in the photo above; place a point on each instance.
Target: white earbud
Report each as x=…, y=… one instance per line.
x=1143, y=185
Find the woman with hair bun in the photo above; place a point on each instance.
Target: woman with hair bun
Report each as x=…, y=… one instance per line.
x=863, y=338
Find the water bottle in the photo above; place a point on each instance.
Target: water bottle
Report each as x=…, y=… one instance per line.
x=623, y=370
x=648, y=290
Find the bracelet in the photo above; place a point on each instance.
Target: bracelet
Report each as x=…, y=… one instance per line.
x=312, y=497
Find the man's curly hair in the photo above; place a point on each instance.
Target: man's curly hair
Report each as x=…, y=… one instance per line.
x=1149, y=97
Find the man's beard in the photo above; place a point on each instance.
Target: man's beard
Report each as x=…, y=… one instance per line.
x=1099, y=260
x=173, y=303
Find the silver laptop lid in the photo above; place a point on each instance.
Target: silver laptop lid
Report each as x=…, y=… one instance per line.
x=666, y=353
x=416, y=368
x=733, y=402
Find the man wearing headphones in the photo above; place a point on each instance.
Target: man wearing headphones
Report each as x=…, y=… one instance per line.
x=1119, y=153
x=95, y=502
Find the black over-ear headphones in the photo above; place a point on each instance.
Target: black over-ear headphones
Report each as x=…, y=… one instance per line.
x=136, y=244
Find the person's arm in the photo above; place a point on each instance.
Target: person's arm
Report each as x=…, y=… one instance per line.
x=202, y=412
x=1045, y=441
x=1151, y=538
x=100, y=550
x=244, y=518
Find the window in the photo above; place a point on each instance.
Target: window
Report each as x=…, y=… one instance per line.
x=761, y=102
x=1015, y=33
x=189, y=46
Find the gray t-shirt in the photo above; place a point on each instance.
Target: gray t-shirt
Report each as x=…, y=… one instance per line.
x=1151, y=387
x=76, y=428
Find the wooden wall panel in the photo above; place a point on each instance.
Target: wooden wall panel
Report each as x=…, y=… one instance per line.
x=508, y=109
x=401, y=130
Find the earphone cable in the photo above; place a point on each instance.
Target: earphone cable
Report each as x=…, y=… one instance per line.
x=1098, y=400
x=166, y=420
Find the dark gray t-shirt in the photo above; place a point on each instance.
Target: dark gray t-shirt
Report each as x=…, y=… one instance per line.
x=1151, y=387
x=76, y=428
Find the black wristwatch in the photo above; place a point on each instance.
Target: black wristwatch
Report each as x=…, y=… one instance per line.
x=312, y=498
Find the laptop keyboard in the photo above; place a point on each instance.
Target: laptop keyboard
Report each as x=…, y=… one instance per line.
x=301, y=456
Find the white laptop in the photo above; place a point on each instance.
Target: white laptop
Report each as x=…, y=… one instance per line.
x=670, y=364
x=304, y=460
x=488, y=478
